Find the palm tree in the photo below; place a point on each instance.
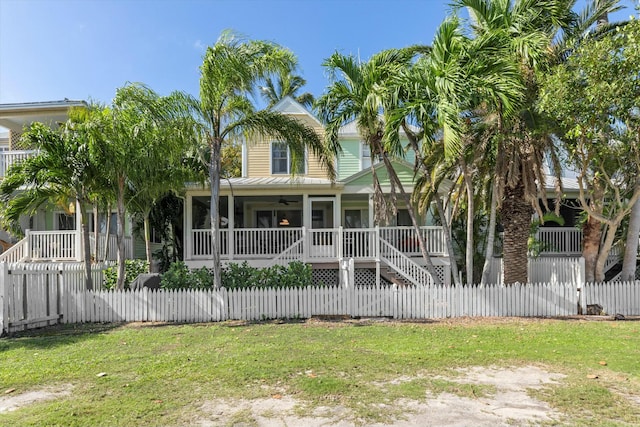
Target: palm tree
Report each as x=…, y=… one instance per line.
x=442, y=94
x=356, y=94
x=159, y=168
x=231, y=72
x=63, y=170
x=286, y=84
x=531, y=34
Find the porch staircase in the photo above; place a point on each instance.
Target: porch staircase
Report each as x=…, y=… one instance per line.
x=16, y=253
x=391, y=276
x=403, y=266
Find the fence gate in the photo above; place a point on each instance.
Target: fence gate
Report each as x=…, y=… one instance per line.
x=30, y=298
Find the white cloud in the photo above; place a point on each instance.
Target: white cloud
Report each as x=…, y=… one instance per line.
x=199, y=45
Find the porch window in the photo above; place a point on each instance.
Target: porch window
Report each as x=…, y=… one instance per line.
x=356, y=218
x=65, y=221
x=102, y=223
x=403, y=219
x=281, y=162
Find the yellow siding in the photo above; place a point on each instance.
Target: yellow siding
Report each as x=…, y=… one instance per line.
x=259, y=160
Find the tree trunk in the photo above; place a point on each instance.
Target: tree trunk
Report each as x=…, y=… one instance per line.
x=445, y=223
x=214, y=210
x=469, y=250
x=147, y=239
x=106, y=233
x=591, y=237
x=491, y=238
x=87, y=245
x=631, y=245
x=447, y=237
x=96, y=233
x=605, y=248
x=120, y=234
x=393, y=177
x=516, y=219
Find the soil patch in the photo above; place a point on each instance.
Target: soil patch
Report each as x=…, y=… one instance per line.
x=11, y=402
x=510, y=405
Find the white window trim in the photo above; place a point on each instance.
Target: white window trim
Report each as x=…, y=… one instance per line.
x=306, y=157
x=364, y=145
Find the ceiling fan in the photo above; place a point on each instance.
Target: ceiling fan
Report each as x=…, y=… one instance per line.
x=286, y=202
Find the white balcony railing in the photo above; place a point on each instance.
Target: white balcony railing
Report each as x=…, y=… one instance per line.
x=112, y=249
x=318, y=244
x=560, y=240
x=9, y=158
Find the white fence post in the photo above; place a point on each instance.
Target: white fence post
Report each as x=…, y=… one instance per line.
x=4, y=278
x=27, y=244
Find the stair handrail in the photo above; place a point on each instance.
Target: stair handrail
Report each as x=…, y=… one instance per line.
x=15, y=253
x=283, y=259
x=403, y=265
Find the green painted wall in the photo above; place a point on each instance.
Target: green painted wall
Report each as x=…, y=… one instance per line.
x=349, y=159
x=404, y=173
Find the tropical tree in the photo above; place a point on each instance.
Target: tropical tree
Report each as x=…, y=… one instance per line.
x=231, y=73
x=443, y=93
x=283, y=85
x=356, y=94
x=140, y=140
x=63, y=171
x=163, y=135
x=531, y=34
x=593, y=95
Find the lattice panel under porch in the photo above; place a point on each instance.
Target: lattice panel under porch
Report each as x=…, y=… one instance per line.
x=325, y=277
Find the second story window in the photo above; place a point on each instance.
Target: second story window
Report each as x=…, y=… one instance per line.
x=281, y=160
x=365, y=156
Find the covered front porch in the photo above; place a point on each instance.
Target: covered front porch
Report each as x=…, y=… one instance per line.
x=314, y=225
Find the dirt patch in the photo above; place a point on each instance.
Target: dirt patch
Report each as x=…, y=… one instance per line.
x=510, y=405
x=11, y=402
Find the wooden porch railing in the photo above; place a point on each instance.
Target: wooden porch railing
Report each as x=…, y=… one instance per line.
x=560, y=240
x=405, y=239
x=112, y=250
x=9, y=158
x=60, y=246
x=318, y=244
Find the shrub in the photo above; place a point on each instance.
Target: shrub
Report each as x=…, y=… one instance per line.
x=238, y=276
x=180, y=277
x=132, y=268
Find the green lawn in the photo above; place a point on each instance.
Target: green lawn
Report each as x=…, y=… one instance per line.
x=162, y=374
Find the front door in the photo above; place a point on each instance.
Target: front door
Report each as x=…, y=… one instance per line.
x=322, y=235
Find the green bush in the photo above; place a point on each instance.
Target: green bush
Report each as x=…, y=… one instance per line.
x=238, y=276
x=180, y=277
x=132, y=268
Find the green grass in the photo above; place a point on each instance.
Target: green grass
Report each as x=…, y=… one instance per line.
x=162, y=375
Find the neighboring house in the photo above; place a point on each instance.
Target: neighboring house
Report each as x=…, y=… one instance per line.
x=52, y=232
x=274, y=215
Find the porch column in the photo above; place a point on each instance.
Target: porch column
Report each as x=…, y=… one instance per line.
x=230, y=225
x=306, y=211
x=186, y=224
x=78, y=235
x=337, y=211
x=371, y=213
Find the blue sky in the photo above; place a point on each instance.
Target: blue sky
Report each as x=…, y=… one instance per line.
x=85, y=49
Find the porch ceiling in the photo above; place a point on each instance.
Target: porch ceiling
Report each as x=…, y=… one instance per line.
x=16, y=116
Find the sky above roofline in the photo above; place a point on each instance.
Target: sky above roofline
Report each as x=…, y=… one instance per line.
x=80, y=49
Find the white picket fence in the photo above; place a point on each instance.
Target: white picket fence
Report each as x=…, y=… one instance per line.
x=544, y=270
x=39, y=297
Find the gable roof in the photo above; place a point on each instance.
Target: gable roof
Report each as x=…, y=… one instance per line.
x=288, y=105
